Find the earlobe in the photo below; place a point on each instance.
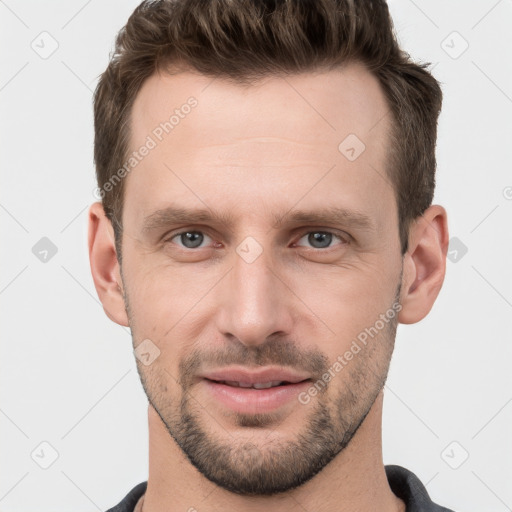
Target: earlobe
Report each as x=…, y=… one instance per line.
x=424, y=264
x=105, y=266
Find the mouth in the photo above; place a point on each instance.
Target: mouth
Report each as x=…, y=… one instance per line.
x=261, y=391
x=255, y=385
x=260, y=378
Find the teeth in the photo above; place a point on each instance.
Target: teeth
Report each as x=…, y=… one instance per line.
x=257, y=385
x=232, y=383
x=265, y=385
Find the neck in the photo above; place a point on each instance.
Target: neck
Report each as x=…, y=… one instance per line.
x=354, y=480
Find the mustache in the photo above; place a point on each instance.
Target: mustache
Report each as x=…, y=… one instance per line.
x=271, y=352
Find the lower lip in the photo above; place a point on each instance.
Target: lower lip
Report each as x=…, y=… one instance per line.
x=253, y=401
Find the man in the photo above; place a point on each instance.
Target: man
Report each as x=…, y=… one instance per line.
x=266, y=172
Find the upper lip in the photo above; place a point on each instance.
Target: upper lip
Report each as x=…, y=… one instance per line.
x=263, y=375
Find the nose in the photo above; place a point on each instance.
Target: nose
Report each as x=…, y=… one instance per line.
x=254, y=302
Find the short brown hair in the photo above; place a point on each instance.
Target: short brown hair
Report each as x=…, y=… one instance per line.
x=244, y=40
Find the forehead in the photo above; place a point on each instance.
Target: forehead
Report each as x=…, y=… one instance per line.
x=349, y=98
x=222, y=140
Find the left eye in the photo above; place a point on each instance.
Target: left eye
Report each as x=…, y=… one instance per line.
x=190, y=239
x=321, y=239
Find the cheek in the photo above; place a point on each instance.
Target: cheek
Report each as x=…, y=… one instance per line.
x=161, y=291
x=168, y=307
x=346, y=301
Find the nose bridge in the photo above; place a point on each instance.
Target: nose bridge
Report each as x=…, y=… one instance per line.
x=255, y=304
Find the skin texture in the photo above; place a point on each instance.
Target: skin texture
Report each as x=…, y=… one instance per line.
x=257, y=154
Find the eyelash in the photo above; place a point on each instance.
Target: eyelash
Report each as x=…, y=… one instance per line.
x=344, y=240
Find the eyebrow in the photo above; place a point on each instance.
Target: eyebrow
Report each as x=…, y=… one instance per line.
x=332, y=215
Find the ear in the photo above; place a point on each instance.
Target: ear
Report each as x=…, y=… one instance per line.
x=424, y=264
x=105, y=266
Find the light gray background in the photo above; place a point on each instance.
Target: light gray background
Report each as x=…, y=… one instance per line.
x=68, y=373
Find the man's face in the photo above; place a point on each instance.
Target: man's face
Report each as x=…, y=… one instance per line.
x=259, y=287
